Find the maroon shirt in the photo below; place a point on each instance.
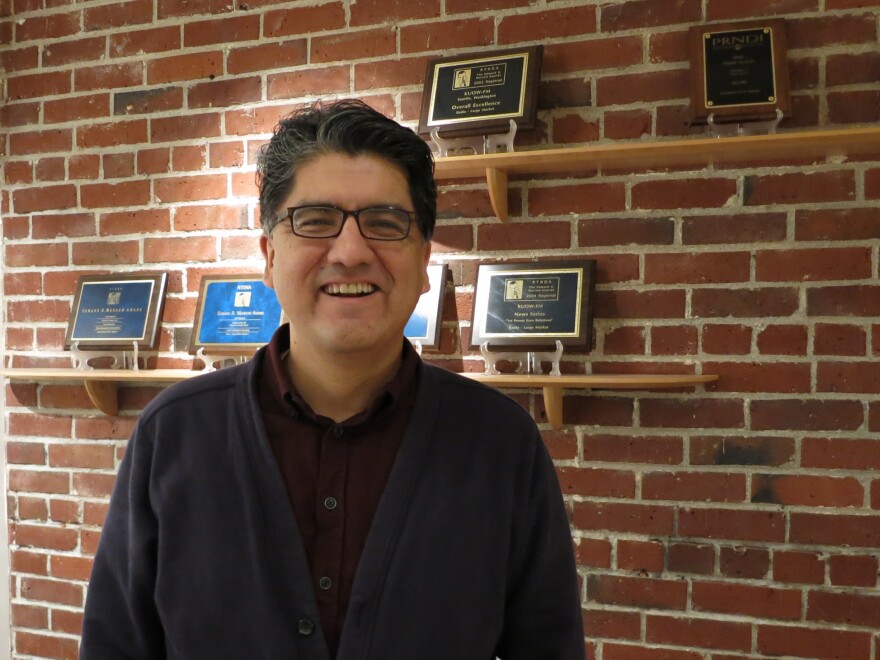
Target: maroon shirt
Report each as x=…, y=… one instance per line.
x=334, y=473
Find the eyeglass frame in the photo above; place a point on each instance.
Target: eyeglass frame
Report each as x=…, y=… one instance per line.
x=354, y=213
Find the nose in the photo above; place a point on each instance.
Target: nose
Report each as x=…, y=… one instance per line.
x=349, y=248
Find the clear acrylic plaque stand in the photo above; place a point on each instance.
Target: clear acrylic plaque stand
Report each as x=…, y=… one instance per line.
x=120, y=359
x=527, y=363
x=765, y=127
x=478, y=144
x=211, y=361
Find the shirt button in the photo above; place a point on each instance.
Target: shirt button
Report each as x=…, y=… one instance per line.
x=325, y=583
x=305, y=627
x=337, y=431
x=330, y=503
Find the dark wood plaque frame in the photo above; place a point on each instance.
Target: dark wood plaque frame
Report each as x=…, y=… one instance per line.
x=581, y=341
x=152, y=314
x=702, y=107
x=476, y=124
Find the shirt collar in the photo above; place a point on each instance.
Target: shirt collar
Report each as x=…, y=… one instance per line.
x=286, y=394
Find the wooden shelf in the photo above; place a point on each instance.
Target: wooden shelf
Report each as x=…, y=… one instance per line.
x=553, y=386
x=101, y=384
x=496, y=168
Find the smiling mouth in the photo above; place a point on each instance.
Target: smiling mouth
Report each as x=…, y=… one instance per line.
x=352, y=290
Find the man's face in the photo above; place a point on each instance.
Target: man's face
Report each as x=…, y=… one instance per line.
x=306, y=273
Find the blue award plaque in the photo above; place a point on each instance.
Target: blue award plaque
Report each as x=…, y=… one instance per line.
x=534, y=304
x=424, y=324
x=236, y=314
x=116, y=311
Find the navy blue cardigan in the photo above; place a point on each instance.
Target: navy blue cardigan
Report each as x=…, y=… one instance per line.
x=469, y=555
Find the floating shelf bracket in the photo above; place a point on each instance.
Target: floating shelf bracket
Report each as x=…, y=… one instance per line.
x=496, y=180
x=103, y=395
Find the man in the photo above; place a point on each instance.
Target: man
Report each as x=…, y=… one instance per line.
x=335, y=497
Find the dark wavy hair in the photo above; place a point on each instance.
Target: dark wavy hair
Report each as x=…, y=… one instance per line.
x=349, y=127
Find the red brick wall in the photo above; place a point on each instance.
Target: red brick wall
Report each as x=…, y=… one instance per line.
x=736, y=520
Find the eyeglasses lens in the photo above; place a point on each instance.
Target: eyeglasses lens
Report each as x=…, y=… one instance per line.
x=325, y=222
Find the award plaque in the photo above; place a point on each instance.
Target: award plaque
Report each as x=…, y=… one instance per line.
x=739, y=72
x=480, y=93
x=235, y=315
x=113, y=312
x=424, y=324
x=534, y=304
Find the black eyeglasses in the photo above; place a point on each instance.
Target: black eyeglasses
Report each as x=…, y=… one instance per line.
x=378, y=223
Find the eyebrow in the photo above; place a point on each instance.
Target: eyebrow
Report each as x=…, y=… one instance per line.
x=378, y=205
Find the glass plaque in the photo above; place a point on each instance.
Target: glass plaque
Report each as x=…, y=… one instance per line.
x=424, y=324
x=235, y=315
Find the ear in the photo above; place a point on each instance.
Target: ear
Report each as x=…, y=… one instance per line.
x=267, y=247
x=426, y=256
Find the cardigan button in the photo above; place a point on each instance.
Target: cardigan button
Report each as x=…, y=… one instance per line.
x=305, y=627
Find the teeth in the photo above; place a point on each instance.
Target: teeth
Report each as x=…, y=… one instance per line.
x=349, y=289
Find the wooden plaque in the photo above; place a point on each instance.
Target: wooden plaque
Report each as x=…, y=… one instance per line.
x=533, y=304
x=113, y=312
x=739, y=72
x=479, y=93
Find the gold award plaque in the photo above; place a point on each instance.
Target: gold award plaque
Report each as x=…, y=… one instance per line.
x=480, y=93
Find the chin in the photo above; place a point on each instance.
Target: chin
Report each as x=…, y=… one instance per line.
x=377, y=344
x=347, y=342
